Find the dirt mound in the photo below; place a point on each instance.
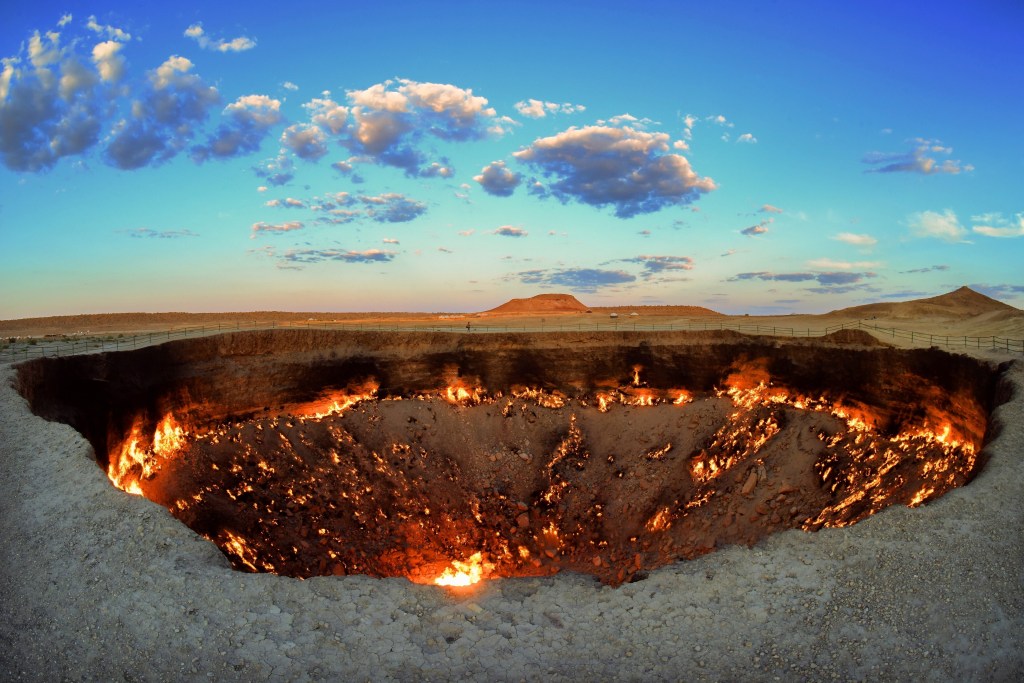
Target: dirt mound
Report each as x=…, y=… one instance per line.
x=960, y=303
x=542, y=303
x=681, y=311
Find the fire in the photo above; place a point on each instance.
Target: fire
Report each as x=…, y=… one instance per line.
x=465, y=573
x=136, y=462
x=463, y=396
x=337, y=402
x=307, y=522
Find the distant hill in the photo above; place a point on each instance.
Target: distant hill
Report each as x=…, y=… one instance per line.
x=960, y=303
x=542, y=303
x=682, y=311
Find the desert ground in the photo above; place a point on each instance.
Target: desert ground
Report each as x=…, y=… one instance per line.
x=97, y=584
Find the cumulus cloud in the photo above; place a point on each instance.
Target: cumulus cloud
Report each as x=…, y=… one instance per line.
x=995, y=225
x=109, y=63
x=943, y=226
x=161, y=234
x=277, y=171
x=305, y=141
x=654, y=266
x=498, y=180
x=327, y=113
x=389, y=240
x=538, y=109
x=747, y=138
x=272, y=228
x=392, y=208
x=627, y=169
x=198, y=34
x=511, y=231
x=759, y=229
x=577, y=279
x=287, y=203
x=855, y=239
x=247, y=121
x=163, y=120
x=388, y=120
x=436, y=170
x=304, y=256
x=111, y=32
x=51, y=104
x=768, y=208
x=921, y=158
x=288, y=85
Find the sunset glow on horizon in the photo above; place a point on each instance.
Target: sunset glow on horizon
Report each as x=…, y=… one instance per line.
x=748, y=157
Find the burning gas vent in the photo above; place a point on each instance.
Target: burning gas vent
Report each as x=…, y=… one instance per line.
x=454, y=459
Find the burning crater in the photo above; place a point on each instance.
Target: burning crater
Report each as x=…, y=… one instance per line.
x=451, y=458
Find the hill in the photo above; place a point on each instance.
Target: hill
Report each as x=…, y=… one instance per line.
x=542, y=303
x=960, y=303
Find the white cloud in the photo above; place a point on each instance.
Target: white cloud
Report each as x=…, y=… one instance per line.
x=537, y=109
x=249, y=118
x=111, y=32
x=920, y=159
x=305, y=141
x=108, y=62
x=943, y=226
x=830, y=264
x=768, y=208
x=748, y=138
x=198, y=34
x=622, y=167
x=994, y=225
x=288, y=85
x=857, y=240
x=498, y=180
x=269, y=228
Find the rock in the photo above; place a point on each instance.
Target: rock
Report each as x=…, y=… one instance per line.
x=750, y=483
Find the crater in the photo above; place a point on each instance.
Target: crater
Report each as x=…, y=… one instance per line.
x=451, y=458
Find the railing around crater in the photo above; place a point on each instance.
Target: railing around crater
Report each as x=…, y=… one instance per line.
x=17, y=349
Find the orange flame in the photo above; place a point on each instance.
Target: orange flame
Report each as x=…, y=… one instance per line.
x=465, y=573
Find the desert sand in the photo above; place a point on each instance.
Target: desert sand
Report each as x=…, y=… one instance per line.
x=97, y=584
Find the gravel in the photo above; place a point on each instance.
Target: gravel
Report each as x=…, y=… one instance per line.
x=99, y=585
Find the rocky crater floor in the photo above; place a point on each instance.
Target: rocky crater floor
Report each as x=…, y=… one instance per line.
x=101, y=584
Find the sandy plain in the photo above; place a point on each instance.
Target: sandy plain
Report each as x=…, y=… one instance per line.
x=98, y=585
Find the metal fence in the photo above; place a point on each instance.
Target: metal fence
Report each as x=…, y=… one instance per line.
x=21, y=349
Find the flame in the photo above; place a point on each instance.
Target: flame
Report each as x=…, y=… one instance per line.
x=463, y=396
x=135, y=462
x=661, y=520
x=636, y=375
x=465, y=573
x=338, y=402
x=168, y=438
x=682, y=397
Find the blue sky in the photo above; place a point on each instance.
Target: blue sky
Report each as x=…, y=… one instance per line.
x=749, y=157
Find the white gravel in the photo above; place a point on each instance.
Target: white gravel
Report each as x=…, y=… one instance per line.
x=99, y=585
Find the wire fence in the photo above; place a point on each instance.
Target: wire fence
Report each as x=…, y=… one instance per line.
x=38, y=347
